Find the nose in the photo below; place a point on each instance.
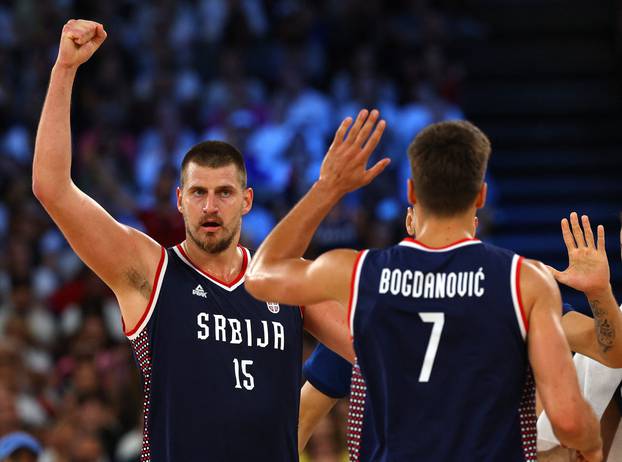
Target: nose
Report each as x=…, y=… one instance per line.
x=210, y=206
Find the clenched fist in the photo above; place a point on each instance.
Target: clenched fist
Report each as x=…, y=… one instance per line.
x=79, y=40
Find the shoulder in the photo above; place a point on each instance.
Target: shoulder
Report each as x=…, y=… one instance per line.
x=339, y=259
x=536, y=283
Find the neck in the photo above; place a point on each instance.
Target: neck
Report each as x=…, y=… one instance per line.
x=435, y=231
x=225, y=265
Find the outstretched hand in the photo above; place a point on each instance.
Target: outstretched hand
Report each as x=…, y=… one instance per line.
x=79, y=40
x=344, y=168
x=588, y=268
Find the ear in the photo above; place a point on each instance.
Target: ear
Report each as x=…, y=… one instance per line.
x=410, y=192
x=481, y=196
x=178, y=192
x=247, y=200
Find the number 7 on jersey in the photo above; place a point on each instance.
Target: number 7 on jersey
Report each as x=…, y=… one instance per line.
x=435, y=337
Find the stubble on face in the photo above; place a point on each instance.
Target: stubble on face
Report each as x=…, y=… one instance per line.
x=211, y=246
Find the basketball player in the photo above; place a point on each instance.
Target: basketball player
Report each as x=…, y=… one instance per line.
x=328, y=375
x=446, y=328
x=221, y=370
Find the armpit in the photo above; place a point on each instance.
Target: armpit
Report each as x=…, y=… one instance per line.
x=139, y=282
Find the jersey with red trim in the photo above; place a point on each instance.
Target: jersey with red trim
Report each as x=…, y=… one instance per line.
x=221, y=370
x=439, y=335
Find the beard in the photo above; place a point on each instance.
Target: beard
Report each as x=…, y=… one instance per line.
x=214, y=246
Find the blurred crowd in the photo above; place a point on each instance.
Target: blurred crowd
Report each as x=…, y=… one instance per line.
x=273, y=77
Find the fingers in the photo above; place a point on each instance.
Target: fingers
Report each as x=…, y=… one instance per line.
x=587, y=231
x=367, y=128
x=358, y=123
x=576, y=229
x=600, y=236
x=567, y=235
x=341, y=131
x=100, y=35
x=373, y=140
x=82, y=31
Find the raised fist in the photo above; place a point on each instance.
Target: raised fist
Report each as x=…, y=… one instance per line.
x=79, y=40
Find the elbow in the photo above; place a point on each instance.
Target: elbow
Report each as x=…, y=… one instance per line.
x=47, y=191
x=40, y=189
x=571, y=425
x=567, y=427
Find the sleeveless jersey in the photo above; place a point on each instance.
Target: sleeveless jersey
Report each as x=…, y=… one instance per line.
x=440, y=338
x=221, y=370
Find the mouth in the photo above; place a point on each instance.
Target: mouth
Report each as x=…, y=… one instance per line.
x=211, y=226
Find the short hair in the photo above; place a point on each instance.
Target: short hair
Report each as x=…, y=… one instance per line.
x=448, y=161
x=214, y=154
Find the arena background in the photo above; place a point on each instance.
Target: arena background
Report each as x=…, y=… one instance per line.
x=275, y=77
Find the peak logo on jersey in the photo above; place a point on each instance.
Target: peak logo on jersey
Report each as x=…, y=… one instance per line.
x=199, y=292
x=273, y=307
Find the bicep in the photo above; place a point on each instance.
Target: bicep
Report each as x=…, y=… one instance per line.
x=108, y=247
x=296, y=281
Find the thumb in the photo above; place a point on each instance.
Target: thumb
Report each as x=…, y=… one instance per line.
x=556, y=274
x=376, y=170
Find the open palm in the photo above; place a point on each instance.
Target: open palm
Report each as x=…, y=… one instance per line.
x=588, y=268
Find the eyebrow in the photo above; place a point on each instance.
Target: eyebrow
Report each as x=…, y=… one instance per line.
x=228, y=187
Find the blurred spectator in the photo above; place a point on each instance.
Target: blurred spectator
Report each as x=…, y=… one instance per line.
x=19, y=447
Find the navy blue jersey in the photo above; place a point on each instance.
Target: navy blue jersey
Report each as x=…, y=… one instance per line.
x=440, y=338
x=221, y=370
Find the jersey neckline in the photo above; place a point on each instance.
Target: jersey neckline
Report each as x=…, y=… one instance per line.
x=230, y=286
x=413, y=243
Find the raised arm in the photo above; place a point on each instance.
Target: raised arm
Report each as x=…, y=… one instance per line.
x=588, y=272
x=573, y=421
x=123, y=257
x=277, y=272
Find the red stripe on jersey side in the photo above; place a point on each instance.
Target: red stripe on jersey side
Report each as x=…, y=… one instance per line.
x=206, y=274
x=415, y=241
x=518, y=296
x=352, y=282
x=153, y=292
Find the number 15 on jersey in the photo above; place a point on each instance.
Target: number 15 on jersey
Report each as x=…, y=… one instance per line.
x=241, y=369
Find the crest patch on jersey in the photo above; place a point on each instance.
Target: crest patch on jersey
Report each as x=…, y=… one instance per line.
x=273, y=307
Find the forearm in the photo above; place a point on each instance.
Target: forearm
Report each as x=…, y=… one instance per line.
x=52, y=158
x=607, y=324
x=314, y=406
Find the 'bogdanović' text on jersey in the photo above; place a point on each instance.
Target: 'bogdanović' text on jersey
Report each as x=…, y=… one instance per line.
x=221, y=370
x=440, y=338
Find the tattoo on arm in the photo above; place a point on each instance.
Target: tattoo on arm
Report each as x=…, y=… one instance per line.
x=605, y=332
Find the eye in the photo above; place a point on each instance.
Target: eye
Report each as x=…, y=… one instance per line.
x=198, y=192
x=225, y=193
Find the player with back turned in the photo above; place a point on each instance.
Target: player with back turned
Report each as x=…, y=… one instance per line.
x=447, y=329
x=221, y=370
